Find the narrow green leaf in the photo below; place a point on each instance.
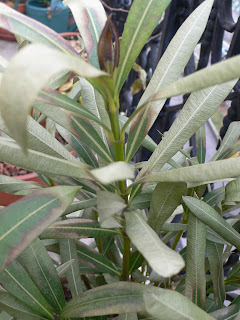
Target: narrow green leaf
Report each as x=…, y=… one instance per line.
x=83, y=150
x=195, y=283
x=116, y=298
x=168, y=70
x=166, y=197
x=161, y=258
x=221, y=72
x=69, y=117
x=89, y=100
x=64, y=267
x=201, y=144
x=109, y=204
x=114, y=172
x=90, y=18
x=76, y=229
x=41, y=140
x=213, y=219
x=37, y=262
x=57, y=99
x=136, y=260
x=18, y=283
x=230, y=138
x=199, y=174
x=214, y=237
x=215, y=258
x=11, y=185
x=142, y=201
x=198, y=108
x=25, y=219
x=174, y=227
x=32, y=30
x=68, y=251
x=147, y=142
x=102, y=264
x=127, y=316
x=40, y=162
x=171, y=305
x=84, y=204
x=141, y=21
x=215, y=196
x=18, y=309
x=232, y=191
x=47, y=63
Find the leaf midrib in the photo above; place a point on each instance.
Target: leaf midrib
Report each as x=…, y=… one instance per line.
x=26, y=218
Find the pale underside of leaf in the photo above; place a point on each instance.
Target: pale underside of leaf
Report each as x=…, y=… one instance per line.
x=168, y=70
x=36, y=65
x=198, y=108
x=161, y=258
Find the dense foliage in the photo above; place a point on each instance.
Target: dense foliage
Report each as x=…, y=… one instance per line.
x=129, y=267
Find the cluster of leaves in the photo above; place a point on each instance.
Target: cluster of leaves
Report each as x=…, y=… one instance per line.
x=127, y=270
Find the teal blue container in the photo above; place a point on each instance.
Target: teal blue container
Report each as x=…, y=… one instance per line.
x=56, y=19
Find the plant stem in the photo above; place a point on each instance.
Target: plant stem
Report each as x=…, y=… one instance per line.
x=126, y=258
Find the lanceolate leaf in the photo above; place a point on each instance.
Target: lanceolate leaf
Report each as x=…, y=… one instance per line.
x=75, y=229
x=38, y=264
x=40, y=162
x=171, y=305
x=213, y=219
x=76, y=124
x=136, y=260
x=64, y=267
x=79, y=146
x=195, y=283
x=90, y=18
x=215, y=196
x=168, y=70
x=230, y=138
x=198, y=108
x=84, y=204
x=215, y=258
x=36, y=65
x=24, y=220
x=68, y=251
x=32, y=30
x=161, y=258
x=18, y=309
x=39, y=139
x=11, y=185
x=17, y=282
x=201, y=144
x=141, y=21
x=57, y=99
x=116, y=298
x=165, y=199
x=89, y=100
x=103, y=265
x=200, y=174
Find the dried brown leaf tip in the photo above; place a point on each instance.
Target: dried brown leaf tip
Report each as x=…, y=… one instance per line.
x=108, y=47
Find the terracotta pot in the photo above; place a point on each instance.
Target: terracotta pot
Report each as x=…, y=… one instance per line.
x=6, y=35
x=6, y=198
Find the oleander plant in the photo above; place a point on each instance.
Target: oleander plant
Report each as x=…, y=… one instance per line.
x=99, y=239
